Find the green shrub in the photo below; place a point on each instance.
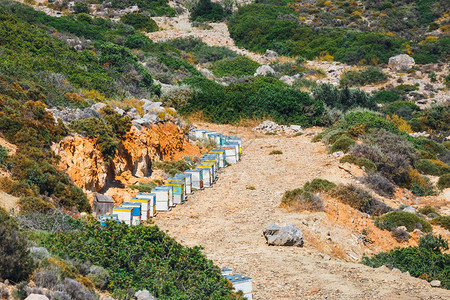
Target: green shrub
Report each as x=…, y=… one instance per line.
x=444, y=182
x=360, y=199
x=261, y=98
x=386, y=96
x=418, y=261
x=143, y=257
x=395, y=219
x=138, y=41
x=428, y=167
x=403, y=109
x=205, y=10
x=344, y=98
x=367, y=76
x=301, y=199
x=238, y=66
x=140, y=22
x=319, y=185
x=426, y=210
x=434, y=243
x=369, y=166
x=406, y=88
x=367, y=120
x=34, y=204
x=15, y=261
x=275, y=152
x=342, y=144
x=173, y=167
x=201, y=50
x=145, y=187
x=3, y=155
x=443, y=221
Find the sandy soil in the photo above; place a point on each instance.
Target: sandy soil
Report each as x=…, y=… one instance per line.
x=227, y=220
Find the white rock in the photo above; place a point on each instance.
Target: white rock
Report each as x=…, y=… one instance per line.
x=435, y=283
x=401, y=63
x=36, y=297
x=264, y=70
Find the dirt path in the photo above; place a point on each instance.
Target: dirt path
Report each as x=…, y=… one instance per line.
x=227, y=220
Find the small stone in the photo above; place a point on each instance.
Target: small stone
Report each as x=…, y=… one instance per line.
x=143, y=295
x=36, y=297
x=435, y=283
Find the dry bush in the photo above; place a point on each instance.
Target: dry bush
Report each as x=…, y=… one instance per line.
x=379, y=184
x=300, y=200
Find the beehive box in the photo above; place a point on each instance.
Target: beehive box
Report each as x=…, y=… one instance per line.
x=177, y=189
x=212, y=165
x=136, y=214
x=206, y=173
x=236, y=146
x=230, y=154
x=221, y=154
x=148, y=201
x=187, y=182
x=124, y=214
x=235, y=139
x=104, y=218
x=197, y=178
x=241, y=283
x=162, y=198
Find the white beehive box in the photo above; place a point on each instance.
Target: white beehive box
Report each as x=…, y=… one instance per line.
x=206, y=173
x=197, y=178
x=230, y=154
x=162, y=198
x=178, y=190
x=124, y=214
x=136, y=213
x=187, y=178
x=241, y=283
x=221, y=154
x=151, y=208
x=212, y=166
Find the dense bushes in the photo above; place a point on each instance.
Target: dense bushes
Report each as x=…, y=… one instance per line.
x=15, y=261
x=421, y=261
x=268, y=26
x=443, y=221
x=367, y=76
x=238, y=66
x=360, y=199
x=264, y=97
x=379, y=184
x=444, y=182
x=143, y=257
x=202, y=52
x=140, y=22
x=344, y=98
x=395, y=219
x=342, y=144
x=304, y=198
x=205, y=10
x=386, y=96
x=432, y=167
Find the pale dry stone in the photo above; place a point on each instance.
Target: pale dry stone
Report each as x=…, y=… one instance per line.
x=401, y=63
x=289, y=235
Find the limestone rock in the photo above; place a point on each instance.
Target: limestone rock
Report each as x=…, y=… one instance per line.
x=289, y=235
x=143, y=295
x=83, y=162
x=435, y=283
x=270, y=54
x=410, y=209
x=401, y=63
x=36, y=297
x=264, y=70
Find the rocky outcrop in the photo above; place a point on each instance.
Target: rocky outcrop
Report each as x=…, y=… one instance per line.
x=269, y=127
x=401, y=63
x=83, y=162
x=289, y=235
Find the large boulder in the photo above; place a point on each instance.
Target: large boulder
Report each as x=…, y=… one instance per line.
x=264, y=70
x=289, y=235
x=401, y=63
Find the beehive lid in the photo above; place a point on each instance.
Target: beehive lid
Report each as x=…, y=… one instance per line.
x=237, y=278
x=119, y=208
x=131, y=204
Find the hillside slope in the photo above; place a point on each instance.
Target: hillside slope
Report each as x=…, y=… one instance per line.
x=227, y=220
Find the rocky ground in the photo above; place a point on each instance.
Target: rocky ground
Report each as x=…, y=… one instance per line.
x=227, y=220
